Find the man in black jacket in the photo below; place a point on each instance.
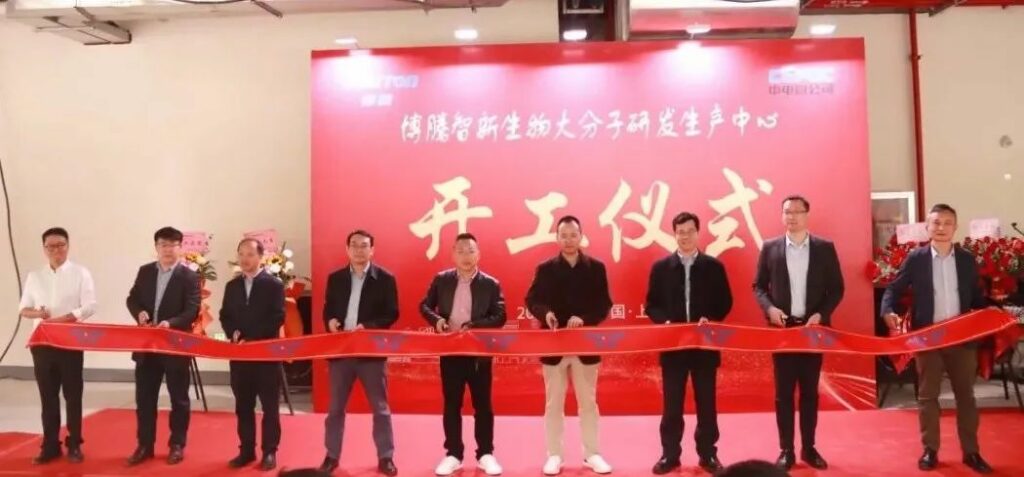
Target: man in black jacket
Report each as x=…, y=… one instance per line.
x=459, y=299
x=570, y=291
x=944, y=282
x=361, y=295
x=799, y=283
x=253, y=310
x=165, y=295
x=688, y=287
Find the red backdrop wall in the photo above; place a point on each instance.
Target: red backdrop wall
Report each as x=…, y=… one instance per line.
x=416, y=145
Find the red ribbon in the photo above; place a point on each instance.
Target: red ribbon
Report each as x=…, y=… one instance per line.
x=580, y=341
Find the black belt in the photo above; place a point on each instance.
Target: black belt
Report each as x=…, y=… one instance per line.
x=795, y=321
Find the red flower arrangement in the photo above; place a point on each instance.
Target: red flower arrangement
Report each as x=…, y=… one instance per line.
x=886, y=265
x=1000, y=263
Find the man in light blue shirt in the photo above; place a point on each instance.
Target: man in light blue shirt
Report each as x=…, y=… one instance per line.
x=360, y=295
x=943, y=280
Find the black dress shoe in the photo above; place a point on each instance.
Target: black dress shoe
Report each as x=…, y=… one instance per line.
x=811, y=456
x=929, y=460
x=47, y=456
x=241, y=460
x=711, y=464
x=75, y=455
x=269, y=461
x=329, y=465
x=387, y=467
x=665, y=465
x=140, y=455
x=786, y=460
x=176, y=456
x=976, y=463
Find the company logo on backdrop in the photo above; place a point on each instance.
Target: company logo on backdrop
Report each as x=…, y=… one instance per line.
x=801, y=80
x=379, y=88
x=381, y=82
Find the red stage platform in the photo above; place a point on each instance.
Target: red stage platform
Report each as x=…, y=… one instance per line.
x=864, y=443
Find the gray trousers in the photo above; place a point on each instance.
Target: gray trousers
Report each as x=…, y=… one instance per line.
x=371, y=373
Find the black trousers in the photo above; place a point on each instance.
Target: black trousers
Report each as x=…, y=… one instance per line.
x=149, y=374
x=59, y=370
x=674, y=375
x=250, y=380
x=793, y=371
x=458, y=372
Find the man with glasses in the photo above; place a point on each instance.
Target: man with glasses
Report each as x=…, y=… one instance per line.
x=360, y=295
x=61, y=292
x=799, y=283
x=165, y=295
x=688, y=287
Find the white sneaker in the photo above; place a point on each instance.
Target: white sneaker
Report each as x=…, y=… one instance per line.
x=448, y=466
x=597, y=464
x=553, y=466
x=489, y=464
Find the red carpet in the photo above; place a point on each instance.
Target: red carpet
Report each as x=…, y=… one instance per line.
x=865, y=443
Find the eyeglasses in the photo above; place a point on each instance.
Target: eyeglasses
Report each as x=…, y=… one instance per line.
x=56, y=246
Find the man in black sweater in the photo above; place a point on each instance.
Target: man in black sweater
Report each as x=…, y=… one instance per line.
x=570, y=291
x=254, y=310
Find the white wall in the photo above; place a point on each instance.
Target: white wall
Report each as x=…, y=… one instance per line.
x=890, y=109
x=973, y=93
x=204, y=124
x=200, y=124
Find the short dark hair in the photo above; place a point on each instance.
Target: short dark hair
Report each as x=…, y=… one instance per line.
x=752, y=468
x=938, y=208
x=259, y=245
x=807, y=205
x=685, y=217
x=465, y=236
x=359, y=232
x=170, y=234
x=308, y=472
x=58, y=231
x=569, y=219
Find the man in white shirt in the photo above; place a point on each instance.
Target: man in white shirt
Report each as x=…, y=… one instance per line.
x=62, y=292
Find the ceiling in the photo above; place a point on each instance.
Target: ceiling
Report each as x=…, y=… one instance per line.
x=845, y=7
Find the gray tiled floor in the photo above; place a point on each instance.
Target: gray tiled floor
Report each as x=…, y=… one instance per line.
x=19, y=400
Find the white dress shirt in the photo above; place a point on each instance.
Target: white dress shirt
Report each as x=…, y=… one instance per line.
x=68, y=289
x=946, y=286
x=798, y=259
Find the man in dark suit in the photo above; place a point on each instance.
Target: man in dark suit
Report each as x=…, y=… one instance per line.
x=799, y=283
x=570, y=291
x=360, y=295
x=459, y=299
x=165, y=295
x=253, y=310
x=688, y=287
x=944, y=283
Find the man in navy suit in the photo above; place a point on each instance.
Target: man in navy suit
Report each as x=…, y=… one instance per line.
x=165, y=295
x=944, y=282
x=254, y=310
